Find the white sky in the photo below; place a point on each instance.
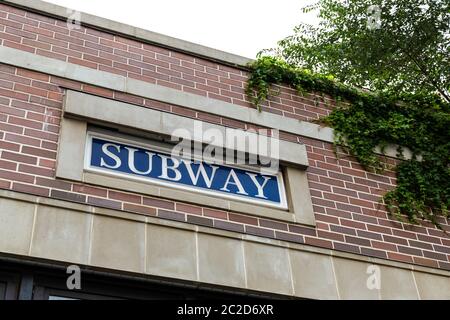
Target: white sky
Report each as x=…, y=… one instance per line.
x=242, y=27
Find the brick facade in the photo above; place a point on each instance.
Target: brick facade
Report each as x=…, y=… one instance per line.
x=346, y=198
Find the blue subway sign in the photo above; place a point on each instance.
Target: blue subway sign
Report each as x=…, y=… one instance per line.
x=120, y=157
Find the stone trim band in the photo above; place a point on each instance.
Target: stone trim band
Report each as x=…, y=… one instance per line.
x=305, y=271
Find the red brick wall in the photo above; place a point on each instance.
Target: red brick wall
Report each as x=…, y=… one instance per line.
x=103, y=51
x=345, y=197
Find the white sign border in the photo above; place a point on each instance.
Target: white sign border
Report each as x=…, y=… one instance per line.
x=113, y=138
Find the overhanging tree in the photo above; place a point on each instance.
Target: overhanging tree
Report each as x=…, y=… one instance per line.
x=399, y=50
x=384, y=45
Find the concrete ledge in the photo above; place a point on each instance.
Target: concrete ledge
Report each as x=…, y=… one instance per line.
x=148, y=246
x=190, y=197
x=124, y=114
x=71, y=150
x=111, y=81
x=299, y=197
x=49, y=9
